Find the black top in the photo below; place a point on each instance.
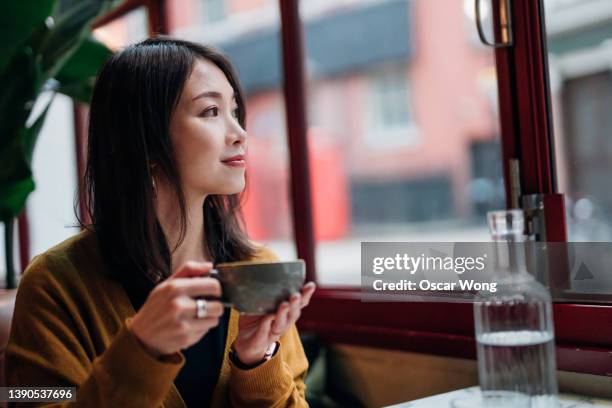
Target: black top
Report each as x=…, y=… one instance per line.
x=197, y=379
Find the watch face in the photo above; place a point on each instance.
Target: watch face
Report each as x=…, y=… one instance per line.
x=271, y=350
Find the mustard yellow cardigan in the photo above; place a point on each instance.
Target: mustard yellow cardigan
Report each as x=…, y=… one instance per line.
x=69, y=329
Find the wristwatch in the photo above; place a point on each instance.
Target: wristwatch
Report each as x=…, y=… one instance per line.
x=270, y=352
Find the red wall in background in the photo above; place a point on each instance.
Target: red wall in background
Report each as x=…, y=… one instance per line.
x=268, y=182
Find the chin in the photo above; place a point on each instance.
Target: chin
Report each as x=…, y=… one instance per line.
x=234, y=188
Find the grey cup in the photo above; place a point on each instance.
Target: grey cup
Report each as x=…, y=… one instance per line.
x=259, y=287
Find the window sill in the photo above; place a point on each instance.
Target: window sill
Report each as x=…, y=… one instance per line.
x=583, y=332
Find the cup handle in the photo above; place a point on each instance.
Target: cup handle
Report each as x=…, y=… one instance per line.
x=214, y=273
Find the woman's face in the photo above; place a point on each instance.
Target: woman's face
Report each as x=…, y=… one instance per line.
x=209, y=143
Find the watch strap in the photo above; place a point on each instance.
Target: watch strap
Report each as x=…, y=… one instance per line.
x=270, y=352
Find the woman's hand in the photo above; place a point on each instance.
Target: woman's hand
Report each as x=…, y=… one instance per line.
x=257, y=333
x=167, y=322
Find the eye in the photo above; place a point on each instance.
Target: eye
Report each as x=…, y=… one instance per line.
x=210, y=112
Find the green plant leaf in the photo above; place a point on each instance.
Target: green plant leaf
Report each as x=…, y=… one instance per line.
x=77, y=76
x=14, y=166
x=20, y=87
x=18, y=20
x=30, y=135
x=14, y=195
x=16, y=181
x=79, y=91
x=85, y=62
x=31, y=54
x=71, y=29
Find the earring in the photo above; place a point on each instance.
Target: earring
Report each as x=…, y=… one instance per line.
x=152, y=166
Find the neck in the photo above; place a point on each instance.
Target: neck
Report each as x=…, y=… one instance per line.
x=193, y=247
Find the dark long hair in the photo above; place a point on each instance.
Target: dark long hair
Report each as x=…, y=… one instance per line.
x=134, y=97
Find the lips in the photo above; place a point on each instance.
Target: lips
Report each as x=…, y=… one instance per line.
x=233, y=158
x=235, y=161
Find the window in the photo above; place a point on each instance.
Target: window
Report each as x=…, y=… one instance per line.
x=391, y=122
x=396, y=161
x=580, y=45
x=581, y=330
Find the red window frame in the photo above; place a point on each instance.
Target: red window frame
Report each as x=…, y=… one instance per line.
x=336, y=314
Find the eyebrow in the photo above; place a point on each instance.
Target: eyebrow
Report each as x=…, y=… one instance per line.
x=211, y=94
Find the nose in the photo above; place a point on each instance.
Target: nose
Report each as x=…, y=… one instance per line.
x=236, y=134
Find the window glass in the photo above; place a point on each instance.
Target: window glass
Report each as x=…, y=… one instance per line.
x=403, y=126
x=390, y=121
x=579, y=41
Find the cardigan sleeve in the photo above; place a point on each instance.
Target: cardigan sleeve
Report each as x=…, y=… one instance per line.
x=48, y=346
x=279, y=382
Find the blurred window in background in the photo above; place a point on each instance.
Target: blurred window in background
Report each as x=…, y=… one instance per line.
x=579, y=34
x=580, y=63
x=404, y=142
x=391, y=123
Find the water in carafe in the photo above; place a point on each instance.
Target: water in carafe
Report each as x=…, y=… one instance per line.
x=514, y=326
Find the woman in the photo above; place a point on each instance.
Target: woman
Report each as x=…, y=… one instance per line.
x=113, y=310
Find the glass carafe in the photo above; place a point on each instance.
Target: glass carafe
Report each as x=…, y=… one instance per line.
x=514, y=326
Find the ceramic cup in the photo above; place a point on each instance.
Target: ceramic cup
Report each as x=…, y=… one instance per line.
x=259, y=287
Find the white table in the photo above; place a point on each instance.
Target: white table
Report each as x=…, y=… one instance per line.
x=464, y=397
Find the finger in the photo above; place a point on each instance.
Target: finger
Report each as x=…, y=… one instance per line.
x=207, y=323
x=194, y=325
x=194, y=287
x=212, y=309
x=295, y=303
x=192, y=331
x=280, y=323
x=180, y=307
x=308, y=288
x=184, y=308
x=265, y=327
x=307, y=292
x=192, y=269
